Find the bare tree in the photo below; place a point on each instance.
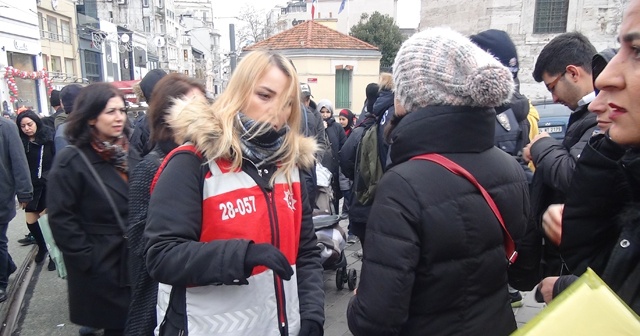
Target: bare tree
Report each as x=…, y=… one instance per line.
x=257, y=25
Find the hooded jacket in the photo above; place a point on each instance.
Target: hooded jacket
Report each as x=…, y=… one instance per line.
x=434, y=258
x=221, y=212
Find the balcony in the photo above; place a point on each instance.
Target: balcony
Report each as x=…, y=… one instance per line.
x=160, y=11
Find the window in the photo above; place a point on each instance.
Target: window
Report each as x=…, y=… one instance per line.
x=186, y=72
x=42, y=22
x=92, y=66
x=145, y=3
x=186, y=54
x=52, y=26
x=343, y=88
x=146, y=24
x=65, y=29
x=550, y=16
x=56, y=64
x=69, y=67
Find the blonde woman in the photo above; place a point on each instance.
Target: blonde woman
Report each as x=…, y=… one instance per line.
x=231, y=239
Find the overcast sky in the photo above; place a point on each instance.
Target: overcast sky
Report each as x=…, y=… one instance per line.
x=408, y=10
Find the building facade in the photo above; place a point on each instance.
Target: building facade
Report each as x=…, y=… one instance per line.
x=57, y=20
x=298, y=11
x=336, y=66
x=23, y=79
x=530, y=23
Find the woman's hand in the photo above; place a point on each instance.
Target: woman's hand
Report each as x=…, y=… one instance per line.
x=552, y=223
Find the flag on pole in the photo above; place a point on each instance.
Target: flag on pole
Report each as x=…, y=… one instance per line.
x=313, y=9
x=342, y=6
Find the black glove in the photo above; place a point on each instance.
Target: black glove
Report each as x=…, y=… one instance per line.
x=269, y=256
x=310, y=328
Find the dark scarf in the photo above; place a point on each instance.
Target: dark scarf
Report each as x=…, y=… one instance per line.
x=260, y=142
x=114, y=152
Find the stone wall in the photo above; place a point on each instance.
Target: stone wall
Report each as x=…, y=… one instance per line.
x=599, y=20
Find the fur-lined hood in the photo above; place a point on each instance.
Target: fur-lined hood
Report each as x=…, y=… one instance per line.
x=194, y=120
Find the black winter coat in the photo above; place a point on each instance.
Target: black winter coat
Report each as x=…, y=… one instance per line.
x=142, y=311
x=613, y=249
x=598, y=193
x=434, y=260
x=336, y=137
x=92, y=243
x=555, y=163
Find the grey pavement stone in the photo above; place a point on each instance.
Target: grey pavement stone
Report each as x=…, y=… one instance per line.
x=46, y=312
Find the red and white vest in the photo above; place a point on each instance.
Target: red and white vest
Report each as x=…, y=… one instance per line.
x=235, y=207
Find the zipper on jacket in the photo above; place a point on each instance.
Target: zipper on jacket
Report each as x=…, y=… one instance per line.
x=277, y=281
x=280, y=294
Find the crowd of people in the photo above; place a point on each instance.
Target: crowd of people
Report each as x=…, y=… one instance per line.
x=199, y=220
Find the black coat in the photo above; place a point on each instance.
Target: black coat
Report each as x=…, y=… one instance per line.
x=555, y=163
x=598, y=193
x=331, y=160
x=92, y=243
x=434, y=260
x=611, y=248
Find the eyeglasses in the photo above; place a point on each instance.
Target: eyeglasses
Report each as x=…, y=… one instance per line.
x=552, y=86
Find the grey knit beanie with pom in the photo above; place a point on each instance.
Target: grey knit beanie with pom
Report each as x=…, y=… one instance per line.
x=439, y=66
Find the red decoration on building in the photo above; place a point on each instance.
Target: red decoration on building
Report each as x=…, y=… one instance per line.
x=11, y=72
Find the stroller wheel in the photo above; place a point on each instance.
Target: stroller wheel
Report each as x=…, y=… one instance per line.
x=352, y=279
x=341, y=277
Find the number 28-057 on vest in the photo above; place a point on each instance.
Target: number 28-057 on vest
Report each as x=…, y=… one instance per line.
x=242, y=206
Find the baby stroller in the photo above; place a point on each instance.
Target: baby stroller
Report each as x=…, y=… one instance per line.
x=332, y=238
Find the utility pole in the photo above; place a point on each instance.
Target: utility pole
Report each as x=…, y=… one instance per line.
x=232, y=44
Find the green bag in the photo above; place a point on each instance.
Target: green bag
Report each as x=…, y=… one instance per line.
x=369, y=165
x=54, y=251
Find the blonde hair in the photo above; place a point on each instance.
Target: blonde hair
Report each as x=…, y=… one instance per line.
x=236, y=97
x=386, y=82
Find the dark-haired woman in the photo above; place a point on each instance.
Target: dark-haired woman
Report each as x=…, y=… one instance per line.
x=142, y=312
x=38, y=145
x=87, y=228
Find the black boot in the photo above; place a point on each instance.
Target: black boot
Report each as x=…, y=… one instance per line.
x=42, y=246
x=51, y=266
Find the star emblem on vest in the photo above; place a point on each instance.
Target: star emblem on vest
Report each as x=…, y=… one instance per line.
x=288, y=197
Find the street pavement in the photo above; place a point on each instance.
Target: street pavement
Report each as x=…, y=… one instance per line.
x=45, y=311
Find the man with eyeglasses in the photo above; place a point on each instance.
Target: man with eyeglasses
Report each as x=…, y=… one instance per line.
x=564, y=66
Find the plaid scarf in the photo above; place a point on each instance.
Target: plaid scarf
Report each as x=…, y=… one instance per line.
x=260, y=141
x=114, y=152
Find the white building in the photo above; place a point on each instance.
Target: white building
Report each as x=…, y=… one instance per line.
x=298, y=11
x=20, y=49
x=530, y=23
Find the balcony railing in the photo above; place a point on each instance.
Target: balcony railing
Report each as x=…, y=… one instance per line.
x=47, y=35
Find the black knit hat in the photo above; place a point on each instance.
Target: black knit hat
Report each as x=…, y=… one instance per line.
x=54, y=99
x=499, y=44
x=149, y=82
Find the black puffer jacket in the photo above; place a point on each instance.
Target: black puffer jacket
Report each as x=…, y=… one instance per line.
x=434, y=261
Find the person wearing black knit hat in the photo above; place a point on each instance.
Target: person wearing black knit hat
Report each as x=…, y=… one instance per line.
x=512, y=130
x=140, y=137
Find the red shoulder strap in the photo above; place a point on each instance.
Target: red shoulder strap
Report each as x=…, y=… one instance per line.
x=184, y=148
x=509, y=245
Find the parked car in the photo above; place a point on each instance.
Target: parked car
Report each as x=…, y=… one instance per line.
x=553, y=118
